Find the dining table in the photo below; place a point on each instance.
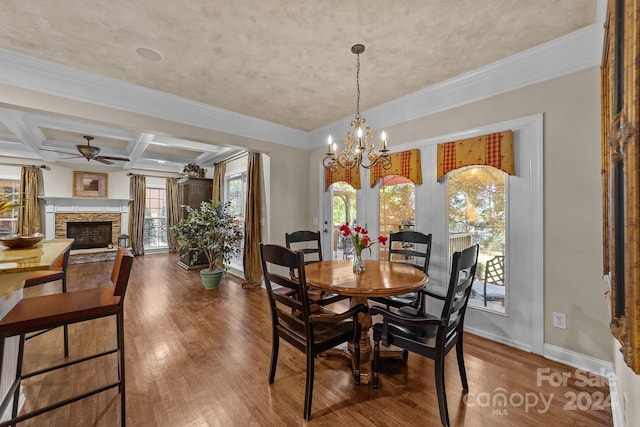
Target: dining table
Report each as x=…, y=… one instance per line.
x=17, y=264
x=380, y=278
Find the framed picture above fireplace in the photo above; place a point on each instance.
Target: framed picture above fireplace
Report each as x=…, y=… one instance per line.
x=89, y=184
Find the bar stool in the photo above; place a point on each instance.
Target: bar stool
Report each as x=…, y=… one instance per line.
x=58, y=272
x=55, y=310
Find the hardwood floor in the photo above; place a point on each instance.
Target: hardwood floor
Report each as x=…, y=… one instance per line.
x=199, y=357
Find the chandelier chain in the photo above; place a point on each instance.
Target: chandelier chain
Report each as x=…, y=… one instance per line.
x=358, y=87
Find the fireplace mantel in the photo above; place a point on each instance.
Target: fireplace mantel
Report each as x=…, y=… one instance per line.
x=81, y=205
x=84, y=204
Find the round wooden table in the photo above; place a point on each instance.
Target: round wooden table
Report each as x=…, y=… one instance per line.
x=380, y=278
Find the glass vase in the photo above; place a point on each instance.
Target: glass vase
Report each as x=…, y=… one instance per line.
x=358, y=264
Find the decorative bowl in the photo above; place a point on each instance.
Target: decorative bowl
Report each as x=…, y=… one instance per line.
x=15, y=241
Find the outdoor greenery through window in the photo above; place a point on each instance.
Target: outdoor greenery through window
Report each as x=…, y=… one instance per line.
x=477, y=215
x=9, y=220
x=155, y=219
x=234, y=193
x=344, y=210
x=397, y=207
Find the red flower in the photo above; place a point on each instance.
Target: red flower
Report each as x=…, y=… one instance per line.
x=360, y=237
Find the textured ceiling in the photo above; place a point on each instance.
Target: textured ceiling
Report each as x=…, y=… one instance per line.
x=285, y=61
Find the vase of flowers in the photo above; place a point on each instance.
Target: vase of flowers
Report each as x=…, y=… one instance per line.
x=361, y=240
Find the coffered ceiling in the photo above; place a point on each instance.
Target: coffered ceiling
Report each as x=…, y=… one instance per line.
x=287, y=62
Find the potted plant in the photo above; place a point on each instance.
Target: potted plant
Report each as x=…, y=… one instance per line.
x=211, y=230
x=193, y=170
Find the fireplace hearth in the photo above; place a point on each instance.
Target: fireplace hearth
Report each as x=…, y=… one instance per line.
x=90, y=234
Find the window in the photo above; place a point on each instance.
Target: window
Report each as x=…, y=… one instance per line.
x=344, y=210
x=155, y=219
x=397, y=206
x=235, y=192
x=9, y=220
x=477, y=215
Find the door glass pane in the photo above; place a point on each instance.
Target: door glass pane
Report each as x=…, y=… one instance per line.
x=235, y=192
x=343, y=210
x=477, y=215
x=397, y=207
x=155, y=219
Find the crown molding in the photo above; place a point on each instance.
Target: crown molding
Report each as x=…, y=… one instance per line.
x=571, y=53
x=59, y=80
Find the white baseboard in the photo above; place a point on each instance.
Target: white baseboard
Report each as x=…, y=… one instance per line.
x=498, y=338
x=595, y=366
x=578, y=360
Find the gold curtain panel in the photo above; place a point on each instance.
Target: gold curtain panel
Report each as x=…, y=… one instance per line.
x=406, y=163
x=494, y=150
x=351, y=177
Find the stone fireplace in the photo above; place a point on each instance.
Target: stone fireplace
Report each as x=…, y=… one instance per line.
x=84, y=214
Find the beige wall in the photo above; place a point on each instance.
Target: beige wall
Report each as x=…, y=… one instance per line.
x=572, y=195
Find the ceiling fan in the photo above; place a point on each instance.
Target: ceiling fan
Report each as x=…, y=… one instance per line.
x=90, y=152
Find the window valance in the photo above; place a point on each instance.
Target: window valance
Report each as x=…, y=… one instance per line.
x=494, y=150
x=351, y=177
x=405, y=163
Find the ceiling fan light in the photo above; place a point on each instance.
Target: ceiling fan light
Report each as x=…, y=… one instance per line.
x=88, y=151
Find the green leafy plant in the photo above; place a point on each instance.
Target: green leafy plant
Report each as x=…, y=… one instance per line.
x=192, y=167
x=211, y=230
x=7, y=203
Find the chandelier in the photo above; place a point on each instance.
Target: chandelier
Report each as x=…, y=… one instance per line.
x=359, y=150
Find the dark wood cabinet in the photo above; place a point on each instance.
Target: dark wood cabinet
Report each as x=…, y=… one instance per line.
x=191, y=192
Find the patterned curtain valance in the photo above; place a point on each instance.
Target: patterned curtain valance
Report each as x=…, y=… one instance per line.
x=406, y=163
x=351, y=177
x=494, y=150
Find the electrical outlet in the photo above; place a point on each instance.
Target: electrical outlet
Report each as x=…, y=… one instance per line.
x=559, y=320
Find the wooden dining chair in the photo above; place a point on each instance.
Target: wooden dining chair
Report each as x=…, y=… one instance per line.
x=57, y=272
x=412, y=248
x=433, y=337
x=293, y=321
x=308, y=242
x=60, y=309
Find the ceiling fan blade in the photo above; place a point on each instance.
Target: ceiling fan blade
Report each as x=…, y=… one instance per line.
x=102, y=160
x=56, y=151
x=123, y=159
x=76, y=156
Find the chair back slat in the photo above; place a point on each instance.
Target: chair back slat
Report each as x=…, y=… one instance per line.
x=276, y=256
x=121, y=271
x=306, y=241
x=411, y=248
x=463, y=270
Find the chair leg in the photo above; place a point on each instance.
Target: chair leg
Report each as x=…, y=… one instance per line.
x=121, y=370
x=16, y=395
x=461, y=368
x=65, y=327
x=308, y=393
x=275, y=344
x=442, y=396
x=376, y=360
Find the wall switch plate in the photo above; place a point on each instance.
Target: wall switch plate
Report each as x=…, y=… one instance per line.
x=559, y=320
x=315, y=221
